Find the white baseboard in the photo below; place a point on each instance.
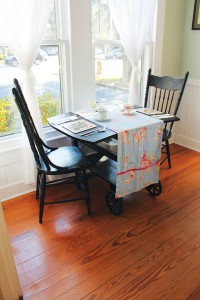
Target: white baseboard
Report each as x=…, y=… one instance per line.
x=14, y=190
x=187, y=142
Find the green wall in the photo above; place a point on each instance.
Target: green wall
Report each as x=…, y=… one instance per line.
x=181, y=44
x=173, y=37
x=191, y=44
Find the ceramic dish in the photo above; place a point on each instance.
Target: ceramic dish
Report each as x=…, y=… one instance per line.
x=101, y=120
x=131, y=113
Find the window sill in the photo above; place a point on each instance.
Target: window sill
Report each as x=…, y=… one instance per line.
x=16, y=141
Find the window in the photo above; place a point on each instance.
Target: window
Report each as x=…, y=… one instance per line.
x=46, y=70
x=112, y=68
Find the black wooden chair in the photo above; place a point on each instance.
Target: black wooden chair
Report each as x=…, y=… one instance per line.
x=164, y=94
x=68, y=160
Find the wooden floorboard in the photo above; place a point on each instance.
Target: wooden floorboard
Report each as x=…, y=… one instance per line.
x=151, y=251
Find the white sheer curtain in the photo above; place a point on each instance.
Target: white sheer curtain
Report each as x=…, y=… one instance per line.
x=22, y=26
x=133, y=19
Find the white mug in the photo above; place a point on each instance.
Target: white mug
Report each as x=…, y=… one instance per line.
x=102, y=113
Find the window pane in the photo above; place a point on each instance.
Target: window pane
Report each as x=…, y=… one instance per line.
x=46, y=71
x=112, y=68
x=47, y=75
x=10, y=120
x=102, y=25
x=48, y=83
x=51, y=30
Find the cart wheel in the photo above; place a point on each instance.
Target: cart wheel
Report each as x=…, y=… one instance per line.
x=114, y=205
x=155, y=189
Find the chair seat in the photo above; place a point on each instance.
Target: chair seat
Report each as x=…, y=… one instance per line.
x=69, y=158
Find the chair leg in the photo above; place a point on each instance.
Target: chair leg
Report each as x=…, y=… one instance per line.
x=77, y=181
x=38, y=185
x=42, y=195
x=87, y=196
x=84, y=184
x=168, y=153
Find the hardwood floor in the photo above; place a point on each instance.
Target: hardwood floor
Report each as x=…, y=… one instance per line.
x=151, y=251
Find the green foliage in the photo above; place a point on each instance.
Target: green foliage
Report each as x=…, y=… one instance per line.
x=10, y=120
x=48, y=107
x=5, y=114
x=9, y=117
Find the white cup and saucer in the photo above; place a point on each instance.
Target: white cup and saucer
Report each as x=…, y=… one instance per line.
x=102, y=113
x=127, y=109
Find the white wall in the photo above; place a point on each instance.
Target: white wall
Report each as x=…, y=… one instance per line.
x=11, y=166
x=187, y=129
x=11, y=169
x=82, y=74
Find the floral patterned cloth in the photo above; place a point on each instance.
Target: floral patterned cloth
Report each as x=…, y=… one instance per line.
x=139, y=150
x=138, y=158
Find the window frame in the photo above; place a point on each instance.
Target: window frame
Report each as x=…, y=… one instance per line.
x=146, y=61
x=63, y=50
